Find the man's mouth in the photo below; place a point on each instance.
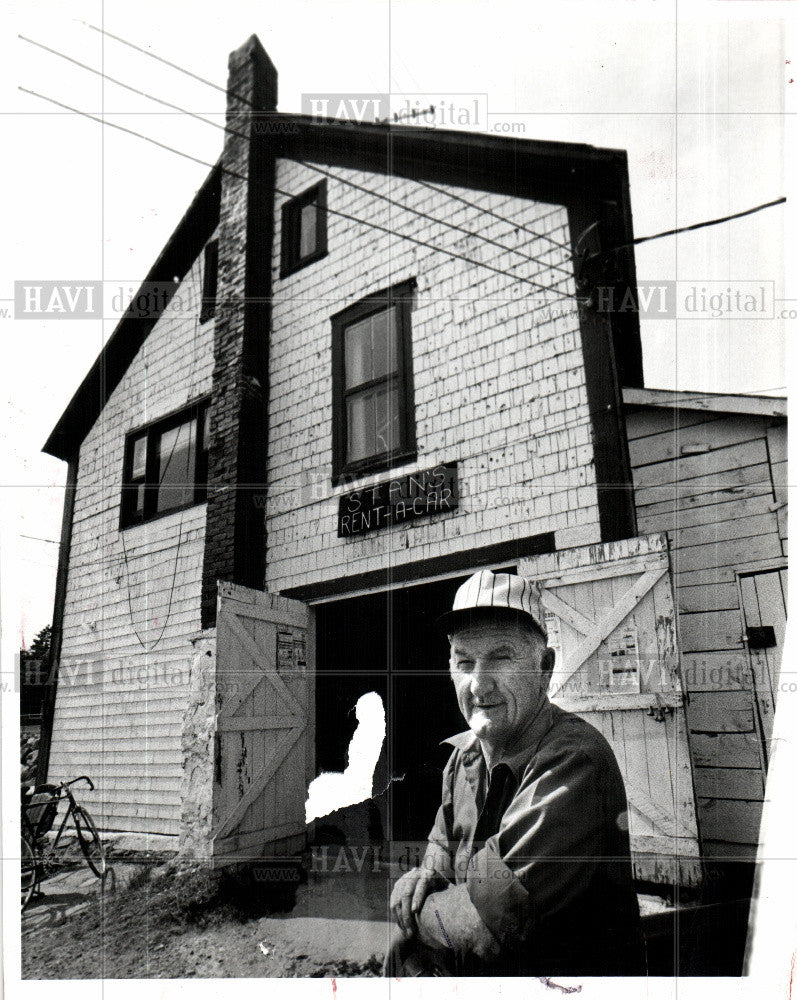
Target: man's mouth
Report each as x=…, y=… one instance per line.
x=484, y=706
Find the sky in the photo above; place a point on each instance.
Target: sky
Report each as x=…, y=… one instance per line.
x=695, y=93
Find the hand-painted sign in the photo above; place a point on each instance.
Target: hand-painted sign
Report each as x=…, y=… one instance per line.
x=406, y=498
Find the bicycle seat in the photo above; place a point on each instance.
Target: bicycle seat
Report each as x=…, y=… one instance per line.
x=41, y=806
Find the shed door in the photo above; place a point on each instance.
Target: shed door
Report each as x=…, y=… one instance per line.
x=264, y=754
x=610, y=617
x=764, y=609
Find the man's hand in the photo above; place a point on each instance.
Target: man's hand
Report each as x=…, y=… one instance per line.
x=409, y=894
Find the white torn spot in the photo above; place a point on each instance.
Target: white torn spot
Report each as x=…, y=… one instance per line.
x=333, y=790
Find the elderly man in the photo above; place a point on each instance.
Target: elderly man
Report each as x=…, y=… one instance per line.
x=528, y=870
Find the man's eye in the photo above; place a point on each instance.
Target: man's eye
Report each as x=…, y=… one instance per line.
x=465, y=664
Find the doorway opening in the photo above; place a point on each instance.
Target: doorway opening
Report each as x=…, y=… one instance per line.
x=388, y=642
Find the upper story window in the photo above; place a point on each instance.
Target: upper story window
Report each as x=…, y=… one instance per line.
x=304, y=229
x=373, y=405
x=210, y=279
x=166, y=466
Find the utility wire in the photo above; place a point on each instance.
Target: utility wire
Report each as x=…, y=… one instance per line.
x=433, y=187
x=497, y=215
x=689, y=229
x=127, y=86
x=176, y=107
x=411, y=239
x=431, y=218
x=129, y=131
x=152, y=55
x=449, y=253
x=331, y=211
x=244, y=100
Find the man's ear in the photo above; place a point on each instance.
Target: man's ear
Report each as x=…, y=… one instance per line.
x=547, y=661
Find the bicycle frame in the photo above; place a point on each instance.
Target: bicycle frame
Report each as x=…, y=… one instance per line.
x=63, y=789
x=42, y=851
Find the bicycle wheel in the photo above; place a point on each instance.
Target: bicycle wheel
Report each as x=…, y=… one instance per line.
x=30, y=874
x=90, y=842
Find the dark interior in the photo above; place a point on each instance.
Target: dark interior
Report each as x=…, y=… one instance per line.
x=388, y=642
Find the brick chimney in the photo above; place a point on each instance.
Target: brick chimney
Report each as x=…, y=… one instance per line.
x=235, y=542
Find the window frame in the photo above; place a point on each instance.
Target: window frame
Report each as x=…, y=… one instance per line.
x=210, y=281
x=152, y=433
x=291, y=259
x=400, y=296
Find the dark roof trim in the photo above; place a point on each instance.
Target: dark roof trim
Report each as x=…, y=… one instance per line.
x=175, y=260
x=578, y=176
x=711, y=402
x=556, y=172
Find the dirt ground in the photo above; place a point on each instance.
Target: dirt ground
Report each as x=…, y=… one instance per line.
x=161, y=921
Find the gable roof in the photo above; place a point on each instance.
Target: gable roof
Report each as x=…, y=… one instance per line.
x=175, y=260
x=583, y=178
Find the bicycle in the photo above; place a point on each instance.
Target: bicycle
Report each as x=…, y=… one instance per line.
x=39, y=809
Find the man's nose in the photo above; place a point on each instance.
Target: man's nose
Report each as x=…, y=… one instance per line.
x=481, y=679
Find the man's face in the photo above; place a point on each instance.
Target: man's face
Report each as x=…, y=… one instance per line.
x=500, y=675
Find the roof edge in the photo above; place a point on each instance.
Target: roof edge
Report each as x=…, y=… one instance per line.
x=711, y=402
x=176, y=258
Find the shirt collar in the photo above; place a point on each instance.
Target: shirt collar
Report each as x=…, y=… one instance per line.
x=517, y=761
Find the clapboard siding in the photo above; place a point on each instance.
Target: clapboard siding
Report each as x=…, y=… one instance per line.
x=118, y=715
x=728, y=483
x=699, y=515
x=716, y=671
x=720, y=597
x=700, y=437
x=713, y=482
x=722, y=782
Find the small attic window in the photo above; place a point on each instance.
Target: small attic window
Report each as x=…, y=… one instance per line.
x=210, y=280
x=304, y=229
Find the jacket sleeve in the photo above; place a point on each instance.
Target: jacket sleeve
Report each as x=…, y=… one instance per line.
x=439, y=854
x=545, y=851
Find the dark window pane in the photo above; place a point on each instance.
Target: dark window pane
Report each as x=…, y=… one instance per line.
x=386, y=418
x=138, y=500
x=380, y=345
x=139, y=465
x=307, y=230
x=358, y=353
x=176, y=466
x=360, y=422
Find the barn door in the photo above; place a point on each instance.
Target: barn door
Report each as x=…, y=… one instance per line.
x=611, y=620
x=764, y=610
x=264, y=749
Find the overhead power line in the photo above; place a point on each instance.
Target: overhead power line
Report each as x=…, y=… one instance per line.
x=244, y=100
x=433, y=187
x=127, y=86
x=153, y=55
x=432, y=218
x=691, y=228
x=226, y=129
x=449, y=253
x=497, y=215
x=344, y=215
x=129, y=131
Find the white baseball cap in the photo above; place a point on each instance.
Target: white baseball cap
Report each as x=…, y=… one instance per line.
x=488, y=595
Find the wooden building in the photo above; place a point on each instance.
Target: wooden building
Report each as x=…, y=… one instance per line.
x=710, y=471
x=380, y=369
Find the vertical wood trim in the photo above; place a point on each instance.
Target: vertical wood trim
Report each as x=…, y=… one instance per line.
x=601, y=334
x=56, y=636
